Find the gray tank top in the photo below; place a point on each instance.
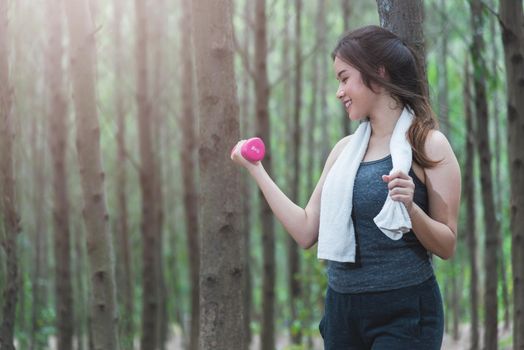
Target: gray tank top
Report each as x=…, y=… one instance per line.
x=381, y=263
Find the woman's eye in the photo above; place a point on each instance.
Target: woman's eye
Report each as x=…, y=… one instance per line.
x=344, y=80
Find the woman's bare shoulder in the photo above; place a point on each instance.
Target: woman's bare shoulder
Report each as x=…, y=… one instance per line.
x=336, y=150
x=439, y=149
x=437, y=146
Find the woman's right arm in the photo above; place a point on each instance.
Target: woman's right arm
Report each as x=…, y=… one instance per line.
x=301, y=224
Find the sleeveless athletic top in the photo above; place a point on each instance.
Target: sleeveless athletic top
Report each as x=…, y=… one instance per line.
x=381, y=263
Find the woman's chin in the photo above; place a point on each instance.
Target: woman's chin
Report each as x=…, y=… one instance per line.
x=354, y=117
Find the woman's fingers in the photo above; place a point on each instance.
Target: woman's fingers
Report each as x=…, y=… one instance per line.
x=236, y=156
x=401, y=187
x=401, y=191
x=397, y=174
x=398, y=182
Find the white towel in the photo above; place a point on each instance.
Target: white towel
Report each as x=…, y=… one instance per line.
x=336, y=239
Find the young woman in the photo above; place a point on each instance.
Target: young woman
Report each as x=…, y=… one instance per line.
x=388, y=298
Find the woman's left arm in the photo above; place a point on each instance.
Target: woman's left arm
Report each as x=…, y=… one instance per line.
x=437, y=232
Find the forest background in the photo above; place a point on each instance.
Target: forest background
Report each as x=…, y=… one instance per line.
x=126, y=225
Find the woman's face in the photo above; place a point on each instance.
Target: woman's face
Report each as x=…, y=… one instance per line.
x=356, y=97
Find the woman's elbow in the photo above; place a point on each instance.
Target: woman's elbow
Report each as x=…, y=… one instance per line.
x=307, y=243
x=449, y=252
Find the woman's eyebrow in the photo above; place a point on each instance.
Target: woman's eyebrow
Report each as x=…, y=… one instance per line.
x=340, y=73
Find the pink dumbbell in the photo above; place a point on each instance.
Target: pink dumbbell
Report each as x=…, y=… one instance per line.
x=253, y=149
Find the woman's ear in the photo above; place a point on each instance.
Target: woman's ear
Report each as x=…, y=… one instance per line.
x=382, y=73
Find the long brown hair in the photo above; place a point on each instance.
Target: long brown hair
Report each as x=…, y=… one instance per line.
x=372, y=47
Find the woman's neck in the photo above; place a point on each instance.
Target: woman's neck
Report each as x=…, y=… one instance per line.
x=384, y=116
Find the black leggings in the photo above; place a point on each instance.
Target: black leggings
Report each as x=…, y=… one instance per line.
x=406, y=318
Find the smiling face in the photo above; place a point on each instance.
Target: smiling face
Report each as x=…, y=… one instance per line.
x=356, y=97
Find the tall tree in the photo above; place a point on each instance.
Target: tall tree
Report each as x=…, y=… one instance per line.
x=405, y=18
x=80, y=293
x=40, y=271
x=469, y=194
x=246, y=117
x=7, y=186
x=483, y=146
x=148, y=177
x=292, y=248
x=263, y=130
x=123, y=263
x=222, y=242
x=99, y=245
x=498, y=123
x=512, y=21
x=156, y=41
x=58, y=133
x=442, y=66
x=188, y=159
x=454, y=278
x=347, y=9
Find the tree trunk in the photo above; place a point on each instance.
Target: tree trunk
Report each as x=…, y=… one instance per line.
x=286, y=93
x=246, y=128
x=266, y=215
x=512, y=20
x=125, y=287
x=313, y=112
x=222, y=242
x=442, y=67
x=151, y=303
x=8, y=198
x=99, y=243
x=58, y=133
x=405, y=18
x=156, y=41
x=499, y=186
x=483, y=147
x=189, y=171
x=37, y=340
x=347, y=8
x=293, y=256
x=454, y=301
x=82, y=329
x=469, y=194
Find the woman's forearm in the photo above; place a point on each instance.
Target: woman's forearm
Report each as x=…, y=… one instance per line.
x=435, y=236
x=291, y=216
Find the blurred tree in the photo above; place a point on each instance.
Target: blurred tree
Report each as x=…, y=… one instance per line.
x=512, y=21
x=347, y=10
x=7, y=195
x=124, y=271
x=156, y=42
x=104, y=321
x=58, y=134
x=246, y=127
x=491, y=244
x=149, y=226
x=469, y=196
x=263, y=129
x=188, y=155
x=40, y=252
x=496, y=124
x=292, y=247
x=442, y=67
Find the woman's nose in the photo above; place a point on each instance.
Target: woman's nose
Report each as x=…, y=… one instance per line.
x=340, y=93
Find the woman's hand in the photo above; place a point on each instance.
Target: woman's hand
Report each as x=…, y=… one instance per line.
x=237, y=157
x=401, y=188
